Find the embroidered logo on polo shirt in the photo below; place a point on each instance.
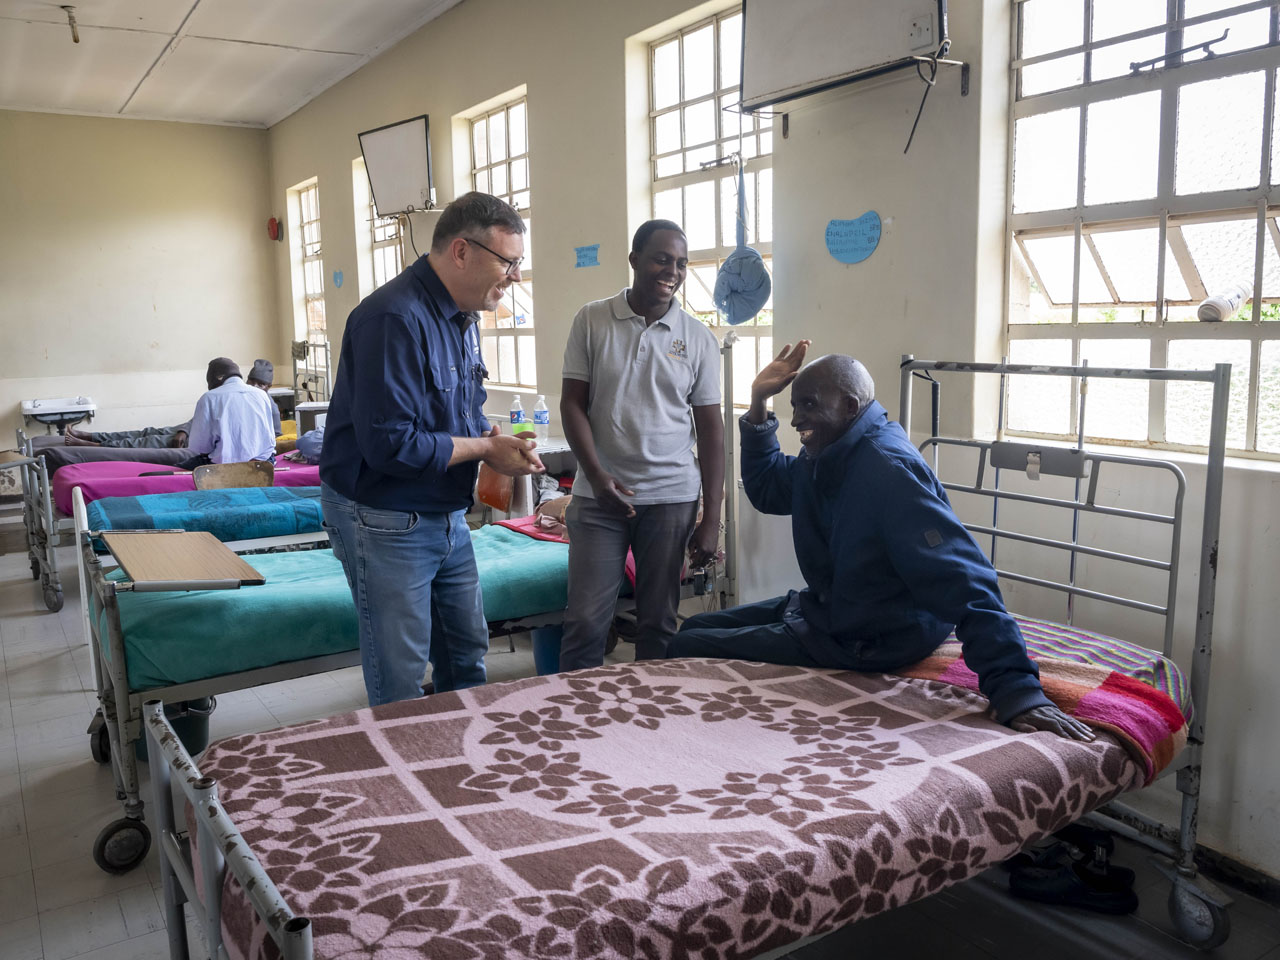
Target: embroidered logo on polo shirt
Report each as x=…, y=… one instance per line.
x=678, y=350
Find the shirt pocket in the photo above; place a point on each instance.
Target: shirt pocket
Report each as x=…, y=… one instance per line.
x=444, y=377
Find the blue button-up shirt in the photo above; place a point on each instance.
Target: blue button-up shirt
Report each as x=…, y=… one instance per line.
x=409, y=379
x=889, y=567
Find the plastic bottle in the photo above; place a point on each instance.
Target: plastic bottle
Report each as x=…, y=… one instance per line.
x=1224, y=304
x=541, y=418
x=517, y=412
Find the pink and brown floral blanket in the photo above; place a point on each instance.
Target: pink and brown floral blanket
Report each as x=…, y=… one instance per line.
x=661, y=809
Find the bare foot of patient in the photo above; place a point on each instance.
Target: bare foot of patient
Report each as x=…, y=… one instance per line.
x=75, y=441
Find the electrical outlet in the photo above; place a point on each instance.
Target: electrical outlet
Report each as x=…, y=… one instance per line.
x=920, y=32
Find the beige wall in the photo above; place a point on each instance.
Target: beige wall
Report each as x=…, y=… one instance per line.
x=131, y=252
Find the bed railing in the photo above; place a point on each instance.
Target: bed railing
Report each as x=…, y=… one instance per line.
x=1194, y=900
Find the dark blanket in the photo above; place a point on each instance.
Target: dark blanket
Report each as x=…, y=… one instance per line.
x=60, y=455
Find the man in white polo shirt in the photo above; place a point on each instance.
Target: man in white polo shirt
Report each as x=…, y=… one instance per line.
x=641, y=387
x=232, y=422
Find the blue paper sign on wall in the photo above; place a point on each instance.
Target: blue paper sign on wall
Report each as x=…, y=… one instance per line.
x=852, y=241
x=588, y=256
x=337, y=278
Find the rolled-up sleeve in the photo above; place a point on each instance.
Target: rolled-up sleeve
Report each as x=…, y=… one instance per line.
x=577, y=355
x=389, y=411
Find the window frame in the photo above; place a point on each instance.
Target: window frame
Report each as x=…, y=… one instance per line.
x=1167, y=211
x=312, y=252
x=518, y=294
x=754, y=334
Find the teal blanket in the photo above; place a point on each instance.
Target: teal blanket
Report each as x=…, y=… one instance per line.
x=305, y=610
x=241, y=513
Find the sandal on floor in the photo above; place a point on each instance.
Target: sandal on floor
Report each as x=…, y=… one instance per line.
x=1076, y=885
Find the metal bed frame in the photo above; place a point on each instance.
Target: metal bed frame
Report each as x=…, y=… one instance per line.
x=45, y=529
x=1197, y=907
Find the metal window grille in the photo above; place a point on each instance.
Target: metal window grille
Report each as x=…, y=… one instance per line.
x=388, y=258
x=312, y=262
x=1144, y=164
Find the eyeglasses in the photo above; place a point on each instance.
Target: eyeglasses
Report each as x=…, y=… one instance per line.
x=512, y=265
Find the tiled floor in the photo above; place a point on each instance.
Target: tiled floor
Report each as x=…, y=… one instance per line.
x=56, y=904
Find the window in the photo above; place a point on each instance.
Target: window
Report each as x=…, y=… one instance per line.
x=500, y=166
x=387, y=257
x=1144, y=180
x=379, y=254
x=695, y=124
x=312, y=261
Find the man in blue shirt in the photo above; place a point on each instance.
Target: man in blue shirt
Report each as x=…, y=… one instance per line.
x=888, y=566
x=404, y=437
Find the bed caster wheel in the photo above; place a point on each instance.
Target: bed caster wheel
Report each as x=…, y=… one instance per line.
x=122, y=845
x=53, y=599
x=1197, y=921
x=35, y=569
x=100, y=745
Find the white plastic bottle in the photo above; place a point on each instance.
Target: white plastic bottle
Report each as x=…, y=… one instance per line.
x=517, y=411
x=541, y=419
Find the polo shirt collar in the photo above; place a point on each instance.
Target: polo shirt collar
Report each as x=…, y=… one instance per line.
x=622, y=310
x=431, y=281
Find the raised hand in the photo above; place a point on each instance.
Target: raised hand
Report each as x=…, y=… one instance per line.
x=779, y=372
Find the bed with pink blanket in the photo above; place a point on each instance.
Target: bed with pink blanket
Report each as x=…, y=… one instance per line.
x=712, y=808
x=125, y=479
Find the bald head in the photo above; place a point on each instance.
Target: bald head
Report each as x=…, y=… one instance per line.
x=827, y=397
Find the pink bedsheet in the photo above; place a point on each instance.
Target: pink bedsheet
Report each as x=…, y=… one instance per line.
x=120, y=478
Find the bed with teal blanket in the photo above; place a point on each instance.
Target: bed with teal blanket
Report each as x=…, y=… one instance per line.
x=305, y=610
x=242, y=513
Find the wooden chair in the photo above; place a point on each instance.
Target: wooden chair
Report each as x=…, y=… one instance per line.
x=220, y=476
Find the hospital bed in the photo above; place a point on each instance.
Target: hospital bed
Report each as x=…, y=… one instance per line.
x=712, y=807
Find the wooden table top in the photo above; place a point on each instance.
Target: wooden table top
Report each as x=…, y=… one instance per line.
x=173, y=556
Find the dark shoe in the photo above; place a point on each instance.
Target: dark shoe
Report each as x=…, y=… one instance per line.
x=428, y=689
x=1075, y=885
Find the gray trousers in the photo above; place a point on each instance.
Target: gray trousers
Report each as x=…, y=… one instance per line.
x=598, y=542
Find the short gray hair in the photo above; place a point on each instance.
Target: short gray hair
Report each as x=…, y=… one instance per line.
x=472, y=214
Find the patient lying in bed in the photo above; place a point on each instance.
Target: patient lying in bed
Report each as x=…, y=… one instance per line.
x=147, y=437
x=889, y=567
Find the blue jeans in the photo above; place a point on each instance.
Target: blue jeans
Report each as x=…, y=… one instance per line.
x=417, y=593
x=765, y=632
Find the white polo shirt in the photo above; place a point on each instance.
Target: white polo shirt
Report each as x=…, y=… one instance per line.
x=232, y=424
x=644, y=381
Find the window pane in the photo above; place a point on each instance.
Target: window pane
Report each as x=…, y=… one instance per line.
x=700, y=215
x=1244, y=30
x=522, y=294
x=1127, y=128
x=315, y=315
x=666, y=206
x=482, y=181
x=1111, y=18
x=527, y=266
x=1131, y=262
x=669, y=166
x=1224, y=254
x=1187, y=405
x=699, y=63
x=519, y=174
x=731, y=120
x=744, y=371
x=1269, y=397
x=666, y=75
x=1049, y=25
x=528, y=363
x=694, y=159
x=1040, y=404
x=700, y=123
x=507, y=372
x=480, y=142
x=699, y=284
x=489, y=350
x=517, y=118
x=1027, y=302
x=1116, y=409
x=521, y=200
x=1219, y=134
x=498, y=137
x=1053, y=75
x=1114, y=61
x=764, y=216
x=1275, y=141
x=1045, y=155
x=731, y=51
x=666, y=132
x=498, y=180
x=1053, y=259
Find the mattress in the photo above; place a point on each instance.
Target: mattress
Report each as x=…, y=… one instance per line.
x=123, y=479
x=305, y=610
x=673, y=808
x=231, y=514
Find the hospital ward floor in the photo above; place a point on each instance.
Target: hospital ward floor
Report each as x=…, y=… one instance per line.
x=55, y=903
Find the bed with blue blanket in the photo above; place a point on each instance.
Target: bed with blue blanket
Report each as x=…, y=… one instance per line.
x=242, y=513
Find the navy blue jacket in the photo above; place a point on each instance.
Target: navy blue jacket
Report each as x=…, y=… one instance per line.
x=889, y=567
x=409, y=379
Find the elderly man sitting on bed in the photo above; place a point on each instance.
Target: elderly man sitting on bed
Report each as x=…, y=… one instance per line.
x=888, y=566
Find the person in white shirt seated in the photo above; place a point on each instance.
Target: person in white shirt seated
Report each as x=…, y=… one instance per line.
x=232, y=422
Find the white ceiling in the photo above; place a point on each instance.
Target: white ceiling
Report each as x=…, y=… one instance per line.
x=244, y=62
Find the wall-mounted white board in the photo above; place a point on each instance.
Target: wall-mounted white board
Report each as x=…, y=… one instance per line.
x=397, y=158
x=792, y=48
